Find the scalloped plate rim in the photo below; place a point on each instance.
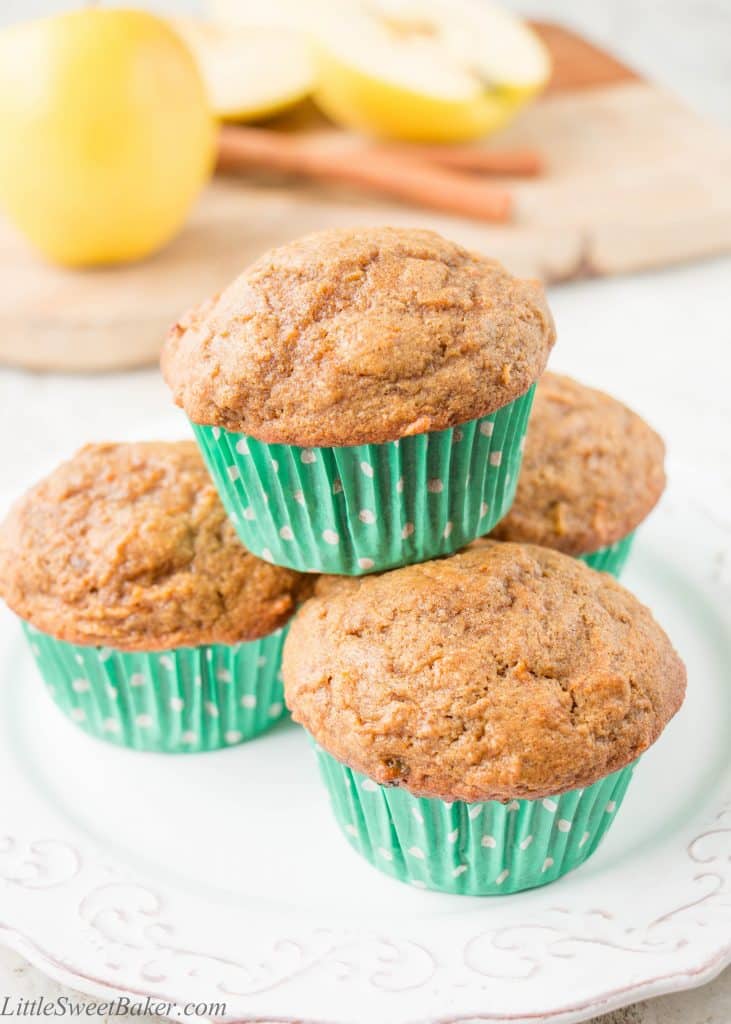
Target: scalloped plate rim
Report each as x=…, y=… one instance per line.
x=687, y=969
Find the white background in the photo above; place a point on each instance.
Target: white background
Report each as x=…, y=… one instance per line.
x=661, y=341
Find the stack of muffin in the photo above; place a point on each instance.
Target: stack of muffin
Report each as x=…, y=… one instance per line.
x=361, y=400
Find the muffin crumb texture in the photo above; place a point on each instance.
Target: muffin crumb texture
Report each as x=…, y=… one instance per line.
x=128, y=546
x=507, y=671
x=592, y=471
x=358, y=337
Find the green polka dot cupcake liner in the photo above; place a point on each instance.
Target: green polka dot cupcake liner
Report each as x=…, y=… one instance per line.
x=480, y=849
x=366, y=508
x=184, y=700
x=612, y=558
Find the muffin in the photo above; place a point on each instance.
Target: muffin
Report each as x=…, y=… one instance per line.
x=360, y=396
x=478, y=718
x=152, y=625
x=592, y=472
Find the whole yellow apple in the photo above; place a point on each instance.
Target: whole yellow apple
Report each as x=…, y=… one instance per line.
x=107, y=134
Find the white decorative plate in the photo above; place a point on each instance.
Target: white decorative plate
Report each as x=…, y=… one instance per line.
x=222, y=876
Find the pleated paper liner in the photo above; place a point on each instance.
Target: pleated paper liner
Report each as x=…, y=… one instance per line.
x=184, y=700
x=367, y=508
x=612, y=558
x=481, y=849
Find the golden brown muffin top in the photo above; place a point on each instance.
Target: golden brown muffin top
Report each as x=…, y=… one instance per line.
x=356, y=337
x=592, y=470
x=128, y=546
x=506, y=671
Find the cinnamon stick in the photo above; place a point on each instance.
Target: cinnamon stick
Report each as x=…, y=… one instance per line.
x=325, y=157
x=522, y=163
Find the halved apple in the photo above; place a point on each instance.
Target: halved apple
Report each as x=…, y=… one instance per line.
x=425, y=70
x=283, y=14
x=250, y=72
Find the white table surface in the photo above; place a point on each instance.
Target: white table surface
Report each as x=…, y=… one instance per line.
x=658, y=340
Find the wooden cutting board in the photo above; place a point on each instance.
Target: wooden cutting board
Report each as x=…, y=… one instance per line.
x=634, y=180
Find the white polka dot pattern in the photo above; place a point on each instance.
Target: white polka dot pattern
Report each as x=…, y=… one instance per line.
x=367, y=508
x=476, y=849
x=184, y=700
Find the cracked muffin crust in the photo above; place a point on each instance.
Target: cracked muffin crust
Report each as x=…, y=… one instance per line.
x=359, y=337
x=592, y=470
x=128, y=546
x=506, y=671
